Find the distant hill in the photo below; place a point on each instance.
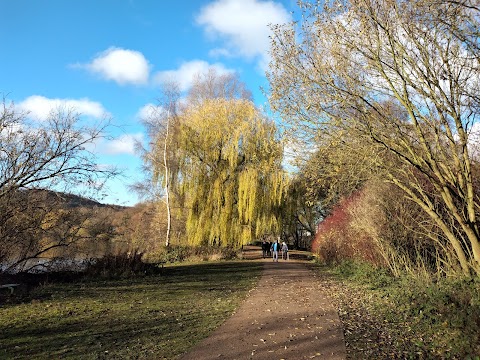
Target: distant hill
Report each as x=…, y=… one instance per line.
x=72, y=200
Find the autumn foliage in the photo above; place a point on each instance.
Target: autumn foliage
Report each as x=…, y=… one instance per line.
x=337, y=239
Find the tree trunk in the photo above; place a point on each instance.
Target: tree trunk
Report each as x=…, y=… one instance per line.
x=167, y=184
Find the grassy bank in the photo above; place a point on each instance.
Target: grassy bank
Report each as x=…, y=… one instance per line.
x=158, y=316
x=405, y=318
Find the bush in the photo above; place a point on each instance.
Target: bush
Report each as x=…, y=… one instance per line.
x=229, y=253
x=181, y=253
x=365, y=273
x=337, y=239
x=124, y=264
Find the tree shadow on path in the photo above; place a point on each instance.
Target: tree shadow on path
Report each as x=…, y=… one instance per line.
x=287, y=316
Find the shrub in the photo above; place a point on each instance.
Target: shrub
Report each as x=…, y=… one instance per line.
x=181, y=253
x=229, y=253
x=379, y=225
x=337, y=240
x=124, y=264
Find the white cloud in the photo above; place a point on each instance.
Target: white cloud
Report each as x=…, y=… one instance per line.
x=187, y=71
x=220, y=52
x=121, y=65
x=40, y=107
x=147, y=111
x=474, y=141
x=243, y=24
x=124, y=144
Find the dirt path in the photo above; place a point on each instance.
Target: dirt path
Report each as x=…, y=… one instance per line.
x=287, y=316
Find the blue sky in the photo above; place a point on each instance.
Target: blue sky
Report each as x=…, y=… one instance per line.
x=108, y=57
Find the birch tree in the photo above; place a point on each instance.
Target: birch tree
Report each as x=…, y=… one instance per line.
x=404, y=75
x=161, y=159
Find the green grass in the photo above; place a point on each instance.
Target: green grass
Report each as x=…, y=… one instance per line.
x=151, y=317
x=418, y=318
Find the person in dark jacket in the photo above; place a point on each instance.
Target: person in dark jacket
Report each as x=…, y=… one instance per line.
x=264, y=249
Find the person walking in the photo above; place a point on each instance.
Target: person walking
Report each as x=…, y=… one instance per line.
x=285, y=255
x=275, y=249
x=264, y=248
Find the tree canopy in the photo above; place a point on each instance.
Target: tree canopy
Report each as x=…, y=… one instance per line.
x=231, y=173
x=404, y=76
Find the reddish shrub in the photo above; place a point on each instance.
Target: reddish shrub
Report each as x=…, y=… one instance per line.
x=337, y=240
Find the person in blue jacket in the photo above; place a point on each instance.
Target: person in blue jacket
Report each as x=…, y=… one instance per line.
x=275, y=249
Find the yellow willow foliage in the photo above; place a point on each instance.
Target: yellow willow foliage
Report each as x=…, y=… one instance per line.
x=247, y=194
x=231, y=175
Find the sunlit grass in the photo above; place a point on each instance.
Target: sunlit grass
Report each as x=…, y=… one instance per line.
x=148, y=317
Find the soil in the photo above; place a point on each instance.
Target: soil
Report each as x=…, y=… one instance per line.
x=288, y=315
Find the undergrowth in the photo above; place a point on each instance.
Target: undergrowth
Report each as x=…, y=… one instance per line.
x=184, y=253
x=120, y=265
x=411, y=317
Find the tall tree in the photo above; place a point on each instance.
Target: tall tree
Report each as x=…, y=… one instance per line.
x=161, y=159
x=214, y=85
x=207, y=151
x=231, y=172
x=404, y=75
x=300, y=213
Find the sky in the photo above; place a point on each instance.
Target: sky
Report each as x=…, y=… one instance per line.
x=108, y=58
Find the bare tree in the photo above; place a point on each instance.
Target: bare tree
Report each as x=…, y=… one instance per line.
x=161, y=160
x=49, y=155
x=405, y=78
x=212, y=85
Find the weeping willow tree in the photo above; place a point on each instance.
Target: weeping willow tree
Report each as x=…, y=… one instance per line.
x=230, y=175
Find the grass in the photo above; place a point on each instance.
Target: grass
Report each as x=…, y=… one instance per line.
x=408, y=318
x=150, y=317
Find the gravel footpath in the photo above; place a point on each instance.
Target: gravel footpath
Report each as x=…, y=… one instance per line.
x=287, y=316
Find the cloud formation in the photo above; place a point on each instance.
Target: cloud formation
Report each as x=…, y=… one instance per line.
x=186, y=73
x=124, y=144
x=40, y=107
x=146, y=112
x=120, y=65
x=242, y=25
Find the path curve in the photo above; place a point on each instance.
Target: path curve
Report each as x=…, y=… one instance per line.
x=286, y=316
